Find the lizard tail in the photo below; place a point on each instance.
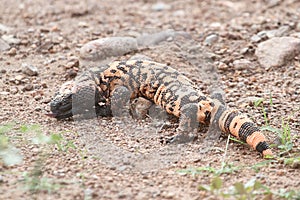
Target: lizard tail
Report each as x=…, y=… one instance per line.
x=240, y=126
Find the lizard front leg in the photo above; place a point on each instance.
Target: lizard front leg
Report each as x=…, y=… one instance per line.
x=188, y=124
x=120, y=102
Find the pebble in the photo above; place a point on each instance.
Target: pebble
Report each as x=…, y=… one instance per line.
x=4, y=93
x=12, y=51
x=277, y=51
x=248, y=100
x=10, y=39
x=3, y=45
x=14, y=90
x=223, y=66
x=73, y=63
x=160, y=6
x=270, y=34
x=104, y=48
x=256, y=38
x=19, y=77
x=4, y=28
x=298, y=26
x=29, y=70
x=296, y=35
x=211, y=39
x=28, y=87
x=242, y=64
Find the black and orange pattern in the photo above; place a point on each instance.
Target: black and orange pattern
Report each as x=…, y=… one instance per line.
x=164, y=86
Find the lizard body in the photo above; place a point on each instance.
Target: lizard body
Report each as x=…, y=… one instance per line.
x=112, y=87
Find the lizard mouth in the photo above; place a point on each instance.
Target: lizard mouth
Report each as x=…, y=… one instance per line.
x=61, y=109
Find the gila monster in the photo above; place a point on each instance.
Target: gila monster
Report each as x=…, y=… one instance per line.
x=113, y=86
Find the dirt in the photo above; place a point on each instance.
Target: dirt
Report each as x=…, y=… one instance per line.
x=113, y=159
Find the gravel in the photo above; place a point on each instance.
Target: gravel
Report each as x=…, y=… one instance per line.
x=126, y=159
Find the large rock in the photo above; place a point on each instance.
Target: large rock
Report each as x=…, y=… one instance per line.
x=277, y=51
x=104, y=48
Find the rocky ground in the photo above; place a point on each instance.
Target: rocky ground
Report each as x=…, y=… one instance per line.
x=247, y=49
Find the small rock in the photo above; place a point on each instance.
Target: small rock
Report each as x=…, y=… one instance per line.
x=262, y=35
x=38, y=109
x=242, y=64
x=3, y=71
x=277, y=51
x=104, y=48
x=37, y=97
x=273, y=3
x=3, y=45
x=28, y=87
x=298, y=26
x=296, y=35
x=4, y=28
x=179, y=13
x=14, y=90
x=10, y=39
x=30, y=70
x=223, y=66
x=46, y=100
x=12, y=51
x=44, y=85
x=71, y=73
x=83, y=24
x=256, y=38
x=160, y=6
x=72, y=64
x=19, y=77
x=248, y=100
x=4, y=93
x=210, y=39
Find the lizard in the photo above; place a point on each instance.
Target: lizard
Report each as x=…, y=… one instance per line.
x=109, y=89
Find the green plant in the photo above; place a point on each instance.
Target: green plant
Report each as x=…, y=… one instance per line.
x=57, y=139
x=284, y=136
x=250, y=190
x=283, y=133
x=258, y=103
x=224, y=169
x=288, y=194
x=256, y=167
x=9, y=154
x=214, y=187
x=34, y=182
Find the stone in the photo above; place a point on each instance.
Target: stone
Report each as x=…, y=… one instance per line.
x=104, y=48
x=29, y=70
x=3, y=45
x=277, y=51
x=12, y=51
x=211, y=39
x=4, y=28
x=10, y=39
x=28, y=87
x=242, y=64
x=160, y=6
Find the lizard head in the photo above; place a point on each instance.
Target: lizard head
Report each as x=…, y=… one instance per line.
x=61, y=103
x=84, y=99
